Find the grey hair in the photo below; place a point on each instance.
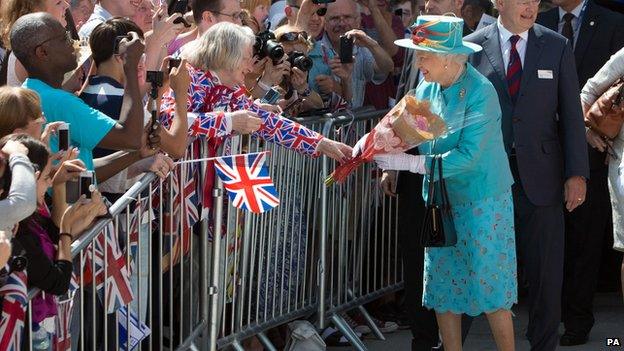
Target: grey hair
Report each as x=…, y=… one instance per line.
x=460, y=59
x=26, y=35
x=221, y=47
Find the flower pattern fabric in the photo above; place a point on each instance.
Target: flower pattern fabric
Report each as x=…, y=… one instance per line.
x=478, y=274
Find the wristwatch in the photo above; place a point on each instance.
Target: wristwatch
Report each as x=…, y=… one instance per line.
x=305, y=93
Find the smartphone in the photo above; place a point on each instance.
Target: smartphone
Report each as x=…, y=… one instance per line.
x=270, y=97
x=72, y=191
x=174, y=63
x=346, y=49
x=63, y=135
x=86, y=180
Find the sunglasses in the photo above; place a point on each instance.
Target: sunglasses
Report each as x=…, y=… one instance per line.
x=319, y=12
x=293, y=36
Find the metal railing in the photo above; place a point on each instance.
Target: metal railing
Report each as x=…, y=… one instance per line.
x=322, y=252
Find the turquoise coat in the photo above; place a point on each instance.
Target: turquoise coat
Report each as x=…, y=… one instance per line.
x=474, y=160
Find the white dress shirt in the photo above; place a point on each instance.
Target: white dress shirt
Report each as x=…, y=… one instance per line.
x=506, y=44
x=577, y=14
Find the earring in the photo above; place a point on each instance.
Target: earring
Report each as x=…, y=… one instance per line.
x=445, y=66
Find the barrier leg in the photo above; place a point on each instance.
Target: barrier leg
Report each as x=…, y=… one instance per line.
x=371, y=323
x=348, y=333
x=237, y=346
x=268, y=345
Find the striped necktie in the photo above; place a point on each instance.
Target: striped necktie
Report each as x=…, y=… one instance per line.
x=514, y=69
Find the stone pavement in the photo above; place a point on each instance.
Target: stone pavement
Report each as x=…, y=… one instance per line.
x=609, y=315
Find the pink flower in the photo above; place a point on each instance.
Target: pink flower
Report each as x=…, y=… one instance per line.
x=384, y=139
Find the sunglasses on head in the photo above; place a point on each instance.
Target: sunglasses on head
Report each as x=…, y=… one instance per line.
x=320, y=11
x=293, y=36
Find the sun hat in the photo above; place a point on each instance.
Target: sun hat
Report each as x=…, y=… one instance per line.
x=440, y=34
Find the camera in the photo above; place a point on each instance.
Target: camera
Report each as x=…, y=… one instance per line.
x=267, y=46
x=181, y=7
x=118, y=40
x=300, y=60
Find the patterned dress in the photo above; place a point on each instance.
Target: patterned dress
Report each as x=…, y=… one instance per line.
x=478, y=274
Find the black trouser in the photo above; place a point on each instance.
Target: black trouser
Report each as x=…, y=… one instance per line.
x=411, y=211
x=539, y=242
x=585, y=232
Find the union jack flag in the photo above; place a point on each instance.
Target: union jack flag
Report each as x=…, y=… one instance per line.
x=15, y=298
x=116, y=290
x=181, y=215
x=62, y=337
x=248, y=182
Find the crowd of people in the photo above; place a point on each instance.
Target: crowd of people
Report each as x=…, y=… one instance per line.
x=535, y=194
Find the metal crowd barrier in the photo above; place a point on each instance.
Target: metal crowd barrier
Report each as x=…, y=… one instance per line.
x=322, y=252
x=168, y=279
x=359, y=257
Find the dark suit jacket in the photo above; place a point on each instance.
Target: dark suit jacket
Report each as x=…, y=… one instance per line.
x=546, y=123
x=601, y=35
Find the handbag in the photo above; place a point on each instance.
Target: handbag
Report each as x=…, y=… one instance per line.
x=603, y=116
x=438, y=229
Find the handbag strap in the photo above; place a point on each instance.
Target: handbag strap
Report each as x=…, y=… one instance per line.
x=431, y=192
x=445, y=200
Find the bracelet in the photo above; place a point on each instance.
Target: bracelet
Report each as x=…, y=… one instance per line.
x=67, y=234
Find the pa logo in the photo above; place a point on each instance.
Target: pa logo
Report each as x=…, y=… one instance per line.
x=613, y=342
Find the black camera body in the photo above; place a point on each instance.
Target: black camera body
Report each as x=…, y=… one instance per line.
x=300, y=60
x=267, y=46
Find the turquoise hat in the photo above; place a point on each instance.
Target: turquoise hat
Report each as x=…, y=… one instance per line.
x=440, y=34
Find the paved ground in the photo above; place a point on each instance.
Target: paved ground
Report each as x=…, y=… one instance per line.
x=609, y=323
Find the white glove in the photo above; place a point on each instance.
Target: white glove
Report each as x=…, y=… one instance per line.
x=357, y=149
x=401, y=162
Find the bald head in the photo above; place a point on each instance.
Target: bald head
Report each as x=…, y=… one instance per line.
x=29, y=31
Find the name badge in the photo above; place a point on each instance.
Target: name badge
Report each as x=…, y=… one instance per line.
x=544, y=74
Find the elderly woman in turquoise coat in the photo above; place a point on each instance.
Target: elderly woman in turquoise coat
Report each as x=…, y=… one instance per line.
x=478, y=274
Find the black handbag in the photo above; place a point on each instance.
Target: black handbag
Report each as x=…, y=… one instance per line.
x=438, y=229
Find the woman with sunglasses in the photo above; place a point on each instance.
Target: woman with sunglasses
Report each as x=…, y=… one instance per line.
x=294, y=85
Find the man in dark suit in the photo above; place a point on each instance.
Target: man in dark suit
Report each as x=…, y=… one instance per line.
x=596, y=33
x=533, y=71
x=411, y=211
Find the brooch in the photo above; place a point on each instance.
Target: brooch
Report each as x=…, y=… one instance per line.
x=462, y=93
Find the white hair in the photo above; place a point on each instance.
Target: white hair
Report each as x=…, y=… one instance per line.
x=221, y=47
x=460, y=59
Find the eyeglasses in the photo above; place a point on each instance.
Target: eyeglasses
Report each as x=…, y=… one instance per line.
x=66, y=35
x=337, y=19
x=293, y=36
x=319, y=12
x=528, y=2
x=236, y=15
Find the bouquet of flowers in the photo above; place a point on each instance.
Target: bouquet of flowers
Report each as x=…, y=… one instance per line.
x=409, y=124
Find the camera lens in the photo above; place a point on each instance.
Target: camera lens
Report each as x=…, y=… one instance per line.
x=303, y=63
x=274, y=50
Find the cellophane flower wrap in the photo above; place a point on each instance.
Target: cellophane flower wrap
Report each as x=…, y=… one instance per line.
x=408, y=124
